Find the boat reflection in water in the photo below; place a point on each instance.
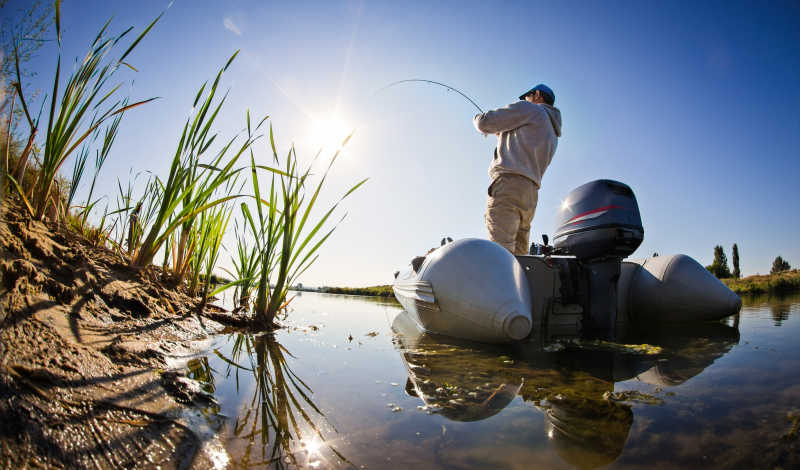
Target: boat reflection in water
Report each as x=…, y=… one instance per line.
x=571, y=382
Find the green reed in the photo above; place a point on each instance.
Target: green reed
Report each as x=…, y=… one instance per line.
x=207, y=241
x=88, y=91
x=133, y=214
x=245, y=267
x=193, y=186
x=286, y=239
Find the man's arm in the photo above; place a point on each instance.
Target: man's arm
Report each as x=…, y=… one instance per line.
x=503, y=119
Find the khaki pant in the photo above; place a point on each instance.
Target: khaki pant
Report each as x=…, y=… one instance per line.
x=509, y=211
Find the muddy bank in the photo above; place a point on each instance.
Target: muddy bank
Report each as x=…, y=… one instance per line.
x=86, y=349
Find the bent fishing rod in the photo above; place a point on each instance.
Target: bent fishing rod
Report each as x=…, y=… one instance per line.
x=433, y=82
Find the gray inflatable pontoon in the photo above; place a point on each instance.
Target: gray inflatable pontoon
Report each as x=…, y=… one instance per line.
x=475, y=289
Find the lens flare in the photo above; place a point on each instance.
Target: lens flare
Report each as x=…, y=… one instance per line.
x=329, y=132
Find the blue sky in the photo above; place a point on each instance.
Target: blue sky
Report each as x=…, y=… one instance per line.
x=692, y=105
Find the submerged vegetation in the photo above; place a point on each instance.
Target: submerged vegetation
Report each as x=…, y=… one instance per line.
x=180, y=220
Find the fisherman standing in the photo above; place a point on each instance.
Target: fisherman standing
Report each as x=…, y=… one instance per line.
x=527, y=135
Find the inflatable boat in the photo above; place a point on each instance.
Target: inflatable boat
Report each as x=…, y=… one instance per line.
x=475, y=289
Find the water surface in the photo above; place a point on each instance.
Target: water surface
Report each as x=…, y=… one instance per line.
x=351, y=383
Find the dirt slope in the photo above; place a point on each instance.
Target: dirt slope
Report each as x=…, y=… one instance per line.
x=84, y=343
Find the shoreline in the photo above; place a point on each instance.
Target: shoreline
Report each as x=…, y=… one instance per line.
x=787, y=282
x=382, y=291
x=92, y=354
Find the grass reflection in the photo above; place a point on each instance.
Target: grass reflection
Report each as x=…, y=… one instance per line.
x=281, y=425
x=200, y=370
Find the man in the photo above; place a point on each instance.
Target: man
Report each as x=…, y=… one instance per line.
x=527, y=135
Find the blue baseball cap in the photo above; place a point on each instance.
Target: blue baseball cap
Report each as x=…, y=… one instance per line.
x=549, y=96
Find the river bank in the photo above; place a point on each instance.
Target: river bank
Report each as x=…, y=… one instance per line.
x=89, y=352
x=781, y=283
x=372, y=291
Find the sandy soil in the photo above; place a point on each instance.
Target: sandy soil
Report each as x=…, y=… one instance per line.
x=89, y=350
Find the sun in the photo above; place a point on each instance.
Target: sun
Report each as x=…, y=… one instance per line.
x=328, y=132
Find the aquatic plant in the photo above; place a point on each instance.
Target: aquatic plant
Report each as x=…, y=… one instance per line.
x=192, y=186
x=133, y=214
x=77, y=174
x=109, y=136
x=245, y=267
x=208, y=240
x=98, y=234
x=184, y=216
x=87, y=91
x=285, y=249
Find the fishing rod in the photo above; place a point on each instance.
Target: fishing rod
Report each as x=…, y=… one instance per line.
x=433, y=82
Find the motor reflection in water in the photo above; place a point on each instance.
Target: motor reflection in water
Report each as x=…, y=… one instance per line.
x=571, y=382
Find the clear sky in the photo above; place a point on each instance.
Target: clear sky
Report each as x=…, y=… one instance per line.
x=692, y=104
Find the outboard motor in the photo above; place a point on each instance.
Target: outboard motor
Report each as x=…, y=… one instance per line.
x=599, y=224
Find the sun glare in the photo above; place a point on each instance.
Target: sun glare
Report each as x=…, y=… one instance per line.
x=312, y=446
x=329, y=132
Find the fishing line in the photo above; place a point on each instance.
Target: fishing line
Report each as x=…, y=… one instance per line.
x=449, y=88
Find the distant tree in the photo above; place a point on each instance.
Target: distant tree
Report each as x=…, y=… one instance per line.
x=780, y=265
x=737, y=273
x=655, y=255
x=719, y=267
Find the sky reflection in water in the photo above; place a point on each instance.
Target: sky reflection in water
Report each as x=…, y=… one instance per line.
x=353, y=383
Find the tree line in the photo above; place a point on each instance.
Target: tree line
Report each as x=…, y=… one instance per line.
x=719, y=267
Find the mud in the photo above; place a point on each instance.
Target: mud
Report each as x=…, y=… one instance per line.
x=87, y=349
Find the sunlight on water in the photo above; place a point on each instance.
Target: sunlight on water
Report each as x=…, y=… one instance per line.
x=352, y=382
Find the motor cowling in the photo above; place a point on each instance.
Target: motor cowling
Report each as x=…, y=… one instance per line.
x=599, y=219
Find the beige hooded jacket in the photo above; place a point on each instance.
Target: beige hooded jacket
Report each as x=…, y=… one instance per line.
x=527, y=138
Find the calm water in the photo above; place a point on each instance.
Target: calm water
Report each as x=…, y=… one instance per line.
x=350, y=384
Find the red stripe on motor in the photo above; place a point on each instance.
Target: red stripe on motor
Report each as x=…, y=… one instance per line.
x=600, y=209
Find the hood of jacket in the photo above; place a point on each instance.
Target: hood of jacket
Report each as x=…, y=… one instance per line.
x=555, y=117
